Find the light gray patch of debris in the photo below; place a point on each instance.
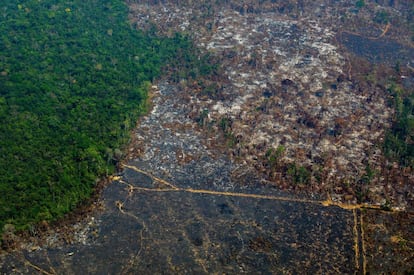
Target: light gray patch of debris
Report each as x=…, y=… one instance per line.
x=289, y=86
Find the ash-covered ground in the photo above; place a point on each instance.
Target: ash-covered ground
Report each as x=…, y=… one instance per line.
x=303, y=97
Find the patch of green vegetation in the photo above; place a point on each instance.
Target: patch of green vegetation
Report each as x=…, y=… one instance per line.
x=399, y=140
x=299, y=174
x=360, y=4
x=382, y=17
x=368, y=176
x=74, y=77
x=225, y=124
x=274, y=156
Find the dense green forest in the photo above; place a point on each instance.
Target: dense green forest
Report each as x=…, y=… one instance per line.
x=74, y=77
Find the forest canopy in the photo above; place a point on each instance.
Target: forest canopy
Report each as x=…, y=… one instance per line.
x=74, y=77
